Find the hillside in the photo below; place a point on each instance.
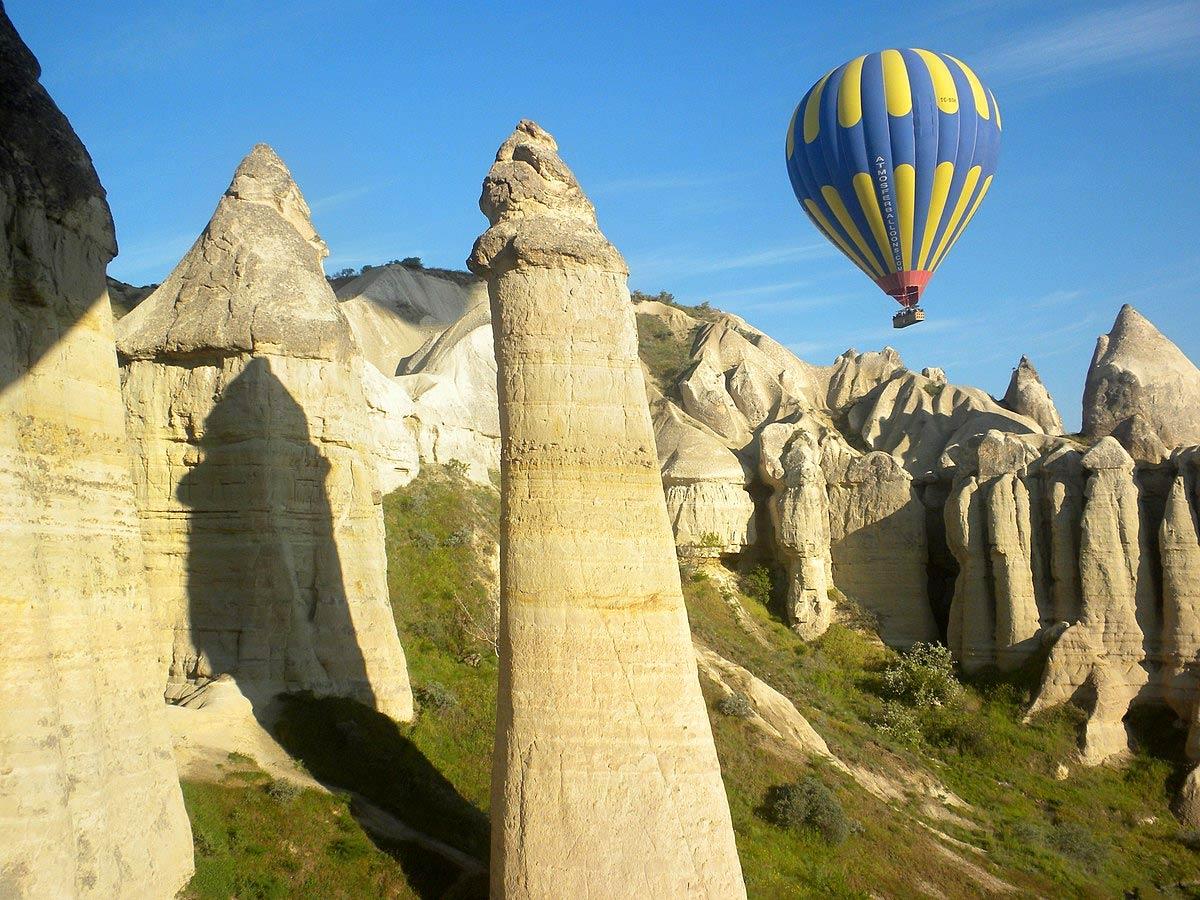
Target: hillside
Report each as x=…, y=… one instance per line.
x=958, y=800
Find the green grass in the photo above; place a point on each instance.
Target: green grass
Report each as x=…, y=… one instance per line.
x=249, y=845
x=666, y=355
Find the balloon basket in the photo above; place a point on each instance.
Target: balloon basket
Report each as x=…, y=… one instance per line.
x=906, y=317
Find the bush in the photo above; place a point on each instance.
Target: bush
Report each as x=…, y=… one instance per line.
x=1074, y=841
x=736, y=705
x=808, y=804
x=434, y=695
x=899, y=723
x=956, y=728
x=757, y=585
x=283, y=791
x=922, y=678
x=412, y=262
x=711, y=539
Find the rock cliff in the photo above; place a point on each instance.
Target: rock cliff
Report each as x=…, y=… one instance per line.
x=91, y=800
x=1142, y=390
x=606, y=781
x=255, y=462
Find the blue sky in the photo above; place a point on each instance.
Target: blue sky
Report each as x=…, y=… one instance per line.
x=673, y=117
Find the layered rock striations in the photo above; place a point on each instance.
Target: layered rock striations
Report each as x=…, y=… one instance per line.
x=1141, y=389
x=606, y=781
x=91, y=802
x=255, y=462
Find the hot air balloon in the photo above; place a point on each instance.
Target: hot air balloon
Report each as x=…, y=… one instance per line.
x=890, y=155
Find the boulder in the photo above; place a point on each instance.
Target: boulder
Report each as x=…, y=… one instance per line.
x=1141, y=389
x=255, y=462
x=90, y=794
x=606, y=777
x=1027, y=396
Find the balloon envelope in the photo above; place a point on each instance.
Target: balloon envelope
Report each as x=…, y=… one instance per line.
x=890, y=155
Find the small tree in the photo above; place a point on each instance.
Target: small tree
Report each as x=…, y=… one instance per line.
x=412, y=262
x=808, y=804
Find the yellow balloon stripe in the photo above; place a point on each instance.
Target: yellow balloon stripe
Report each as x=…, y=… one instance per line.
x=968, y=191
x=812, y=110
x=895, y=84
x=870, y=207
x=987, y=183
x=981, y=104
x=906, y=202
x=996, y=107
x=850, y=93
x=791, y=135
x=834, y=200
x=943, y=81
x=942, y=176
x=828, y=230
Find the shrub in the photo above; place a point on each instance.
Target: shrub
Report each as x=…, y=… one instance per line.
x=922, y=678
x=412, y=262
x=282, y=791
x=736, y=705
x=434, y=695
x=711, y=539
x=899, y=722
x=1075, y=841
x=958, y=729
x=757, y=584
x=808, y=804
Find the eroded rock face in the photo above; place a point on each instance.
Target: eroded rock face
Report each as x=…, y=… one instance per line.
x=704, y=483
x=255, y=462
x=1027, y=396
x=790, y=463
x=606, y=779
x=92, y=806
x=1141, y=389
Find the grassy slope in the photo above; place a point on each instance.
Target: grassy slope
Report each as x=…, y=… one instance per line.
x=1097, y=834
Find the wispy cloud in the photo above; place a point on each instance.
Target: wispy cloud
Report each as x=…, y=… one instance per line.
x=662, y=182
x=150, y=260
x=329, y=201
x=1083, y=45
x=1056, y=298
x=760, y=289
x=663, y=264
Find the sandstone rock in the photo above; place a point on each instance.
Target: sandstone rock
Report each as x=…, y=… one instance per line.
x=854, y=375
x=255, y=462
x=1027, y=396
x=705, y=397
x=1141, y=389
x=394, y=309
x=799, y=506
x=971, y=630
x=1106, y=652
x=878, y=542
x=1179, y=551
x=1187, y=805
x=774, y=714
x=90, y=796
x=390, y=414
x=704, y=483
x=452, y=381
x=606, y=778
x=919, y=420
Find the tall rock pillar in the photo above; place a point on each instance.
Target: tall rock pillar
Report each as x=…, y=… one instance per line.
x=606, y=781
x=89, y=797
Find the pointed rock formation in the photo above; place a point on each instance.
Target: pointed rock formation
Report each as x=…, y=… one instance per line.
x=1027, y=396
x=1141, y=389
x=254, y=467
x=90, y=796
x=606, y=780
